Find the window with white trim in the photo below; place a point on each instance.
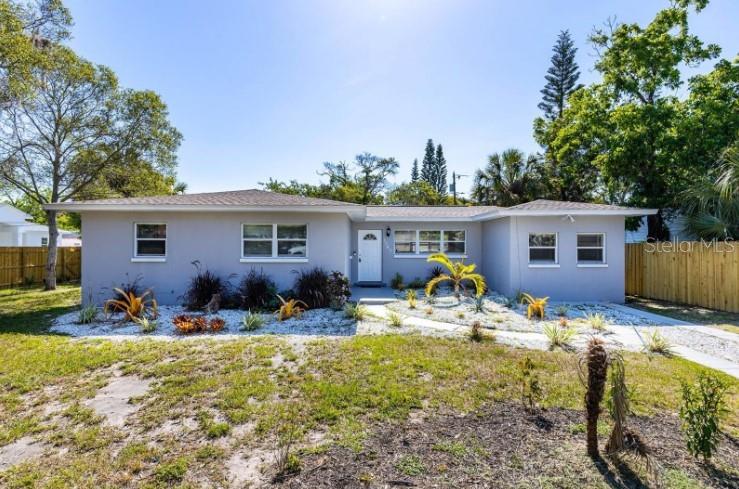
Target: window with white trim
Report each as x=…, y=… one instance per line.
x=543, y=248
x=44, y=241
x=151, y=240
x=274, y=241
x=423, y=242
x=591, y=248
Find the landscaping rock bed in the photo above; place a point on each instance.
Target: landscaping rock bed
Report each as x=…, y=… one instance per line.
x=313, y=322
x=498, y=315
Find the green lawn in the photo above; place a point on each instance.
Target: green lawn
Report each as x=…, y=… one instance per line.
x=342, y=388
x=727, y=321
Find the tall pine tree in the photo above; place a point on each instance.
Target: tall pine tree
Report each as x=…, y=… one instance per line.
x=561, y=77
x=428, y=164
x=414, y=170
x=440, y=171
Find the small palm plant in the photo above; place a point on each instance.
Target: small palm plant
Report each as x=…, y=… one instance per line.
x=458, y=273
x=536, y=305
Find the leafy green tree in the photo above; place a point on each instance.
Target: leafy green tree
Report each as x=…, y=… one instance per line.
x=561, y=77
x=627, y=125
x=414, y=193
x=78, y=128
x=509, y=178
x=440, y=173
x=27, y=30
x=429, y=163
x=414, y=171
x=711, y=206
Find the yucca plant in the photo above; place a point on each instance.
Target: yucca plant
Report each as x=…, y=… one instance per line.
x=536, y=305
x=395, y=319
x=251, y=321
x=458, y=273
x=133, y=306
x=597, y=321
x=290, y=308
x=87, y=314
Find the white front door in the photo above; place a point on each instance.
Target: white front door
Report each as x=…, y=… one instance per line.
x=369, y=255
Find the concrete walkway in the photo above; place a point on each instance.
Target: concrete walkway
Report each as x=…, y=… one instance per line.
x=626, y=337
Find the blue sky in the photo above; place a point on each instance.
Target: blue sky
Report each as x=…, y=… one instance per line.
x=274, y=88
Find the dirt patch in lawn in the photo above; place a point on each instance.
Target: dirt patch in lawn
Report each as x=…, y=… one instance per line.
x=19, y=451
x=507, y=447
x=114, y=400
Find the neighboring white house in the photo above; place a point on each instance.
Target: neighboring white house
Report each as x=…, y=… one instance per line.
x=675, y=224
x=17, y=230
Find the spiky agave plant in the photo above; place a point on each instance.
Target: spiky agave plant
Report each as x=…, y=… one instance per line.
x=457, y=273
x=596, y=362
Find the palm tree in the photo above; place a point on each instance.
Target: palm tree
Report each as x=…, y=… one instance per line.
x=458, y=274
x=711, y=207
x=508, y=179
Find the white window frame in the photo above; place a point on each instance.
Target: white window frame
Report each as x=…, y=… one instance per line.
x=44, y=241
x=149, y=258
x=554, y=264
x=274, y=258
x=417, y=241
x=591, y=264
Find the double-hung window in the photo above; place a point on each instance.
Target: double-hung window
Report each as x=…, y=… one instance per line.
x=151, y=240
x=422, y=242
x=543, y=249
x=274, y=241
x=591, y=249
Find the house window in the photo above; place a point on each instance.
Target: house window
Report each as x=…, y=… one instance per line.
x=44, y=241
x=591, y=248
x=427, y=241
x=543, y=248
x=151, y=240
x=405, y=242
x=274, y=240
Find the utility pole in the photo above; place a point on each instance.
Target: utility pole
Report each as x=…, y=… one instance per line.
x=453, y=186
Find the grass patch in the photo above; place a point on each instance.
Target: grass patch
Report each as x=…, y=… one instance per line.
x=31, y=310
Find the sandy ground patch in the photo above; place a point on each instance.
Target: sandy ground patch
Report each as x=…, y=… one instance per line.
x=21, y=450
x=114, y=400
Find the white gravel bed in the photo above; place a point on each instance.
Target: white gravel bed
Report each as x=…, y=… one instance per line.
x=323, y=322
x=692, y=337
x=498, y=315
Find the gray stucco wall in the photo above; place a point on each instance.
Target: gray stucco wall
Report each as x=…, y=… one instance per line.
x=212, y=238
x=568, y=281
x=496, y=257
x=411, y=268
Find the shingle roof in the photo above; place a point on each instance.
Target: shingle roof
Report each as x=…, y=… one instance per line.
x=250, y=197
x=556, y=205
x=444, y=212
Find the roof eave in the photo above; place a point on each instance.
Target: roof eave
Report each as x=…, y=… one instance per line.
x=81, y=207
x=417, y=219
x=580, y=212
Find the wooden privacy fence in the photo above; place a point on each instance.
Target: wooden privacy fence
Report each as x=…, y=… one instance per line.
x=26, y=265
x=689, y=272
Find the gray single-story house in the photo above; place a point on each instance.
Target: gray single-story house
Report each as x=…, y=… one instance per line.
x=564, y=250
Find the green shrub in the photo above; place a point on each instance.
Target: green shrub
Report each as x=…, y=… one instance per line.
x=397, y=282
x=701, y=411
x=531, y=392
x=251, y=321
x=146, y=325
x=561, y=310
x=416, y=283
x=411, y=465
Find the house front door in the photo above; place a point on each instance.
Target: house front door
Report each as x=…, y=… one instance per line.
x=369, y=255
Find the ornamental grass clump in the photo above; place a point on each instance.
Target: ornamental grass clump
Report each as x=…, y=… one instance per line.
x=412, y=298
x=355, y=311
x=558, y=334
x=394, y=319
x=597, y=321
x=655, y=342
x=204, y=285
